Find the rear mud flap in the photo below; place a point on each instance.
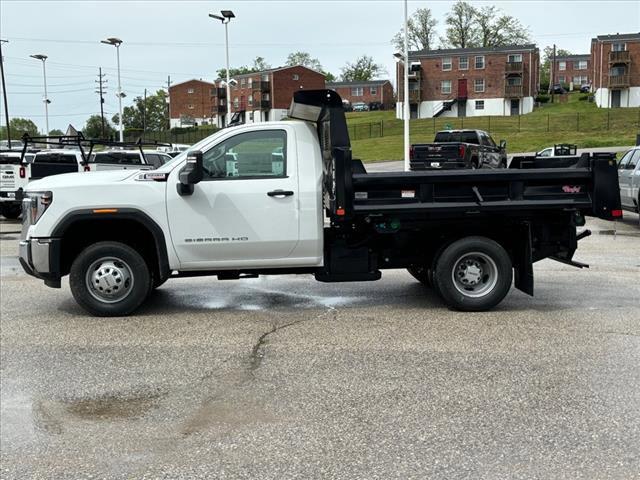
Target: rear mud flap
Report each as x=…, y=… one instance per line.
x=523, y=262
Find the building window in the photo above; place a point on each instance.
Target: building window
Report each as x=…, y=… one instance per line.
x=250, y=100
x=515, y=58
x=190, y=90
x=616, y=71
x=250, y=82
x=619, y=47
x=357, y=91
x=562, y=66
x=296, y=76
x=243, y=82
x=251, y=116
x=445, y=86
x=580, y=80
x=478, y=85
x=446, y=64
x=479, y=104
x=480, y=62
x=463, y=63
x=581, y=65
x=561, y=79
x=373, y=90
x=235, y=102
x=514, y=81
x=190, y=106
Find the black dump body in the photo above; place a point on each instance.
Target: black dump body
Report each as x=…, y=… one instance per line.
x=399, y=219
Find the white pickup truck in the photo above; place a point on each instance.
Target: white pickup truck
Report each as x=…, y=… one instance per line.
x=286, y=197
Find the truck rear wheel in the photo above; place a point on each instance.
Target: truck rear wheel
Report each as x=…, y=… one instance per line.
x=109, y=279
x=10, y=211
x=473, y=274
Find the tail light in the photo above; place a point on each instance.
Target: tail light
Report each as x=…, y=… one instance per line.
x=23, y=172
x=87, y=168
x=461, y=150
x=411, y=153
x=616, y=213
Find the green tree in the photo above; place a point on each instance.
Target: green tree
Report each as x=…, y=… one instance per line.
x=494, y=28
x=154, y=113
x=422, y=31
x=363, y=69
x=93, y=128
x=259, y=65
x=305, y=59
x=329, y=77
x=56, y=132
x=461, y=26
x=20, y=126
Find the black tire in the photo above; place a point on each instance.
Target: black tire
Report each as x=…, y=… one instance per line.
x=10, y=211
x=106, y=260
x=482, y=270
x=421, y=274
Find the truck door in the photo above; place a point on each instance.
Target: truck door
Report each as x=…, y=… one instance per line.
x=626, y=168
x=490, y=151
x=245, y=212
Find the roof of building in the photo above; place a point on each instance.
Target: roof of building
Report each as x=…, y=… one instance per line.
x=269, y=70
x=357, y=83
x=584, y=56
x=455, y=51
x=192, y=80
x=618, y=36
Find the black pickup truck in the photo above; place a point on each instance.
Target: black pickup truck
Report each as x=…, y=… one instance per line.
x=459, y=149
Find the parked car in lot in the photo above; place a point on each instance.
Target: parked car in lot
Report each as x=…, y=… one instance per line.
x=375, y=106
x=586, y=88
x=296, y=202
x=360, y=107
x=629, y=179
x=558, y=89
x=459, y=149
x=559, y=150
x=174, y=149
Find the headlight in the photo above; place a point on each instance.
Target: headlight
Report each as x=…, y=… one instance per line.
x=38, y=203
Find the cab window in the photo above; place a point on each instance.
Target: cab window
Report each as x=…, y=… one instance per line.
x=625, y=160
x=633, y=161
x=260, y=154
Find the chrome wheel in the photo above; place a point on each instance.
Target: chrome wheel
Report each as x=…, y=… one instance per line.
x=475, y=274
x=109, y=280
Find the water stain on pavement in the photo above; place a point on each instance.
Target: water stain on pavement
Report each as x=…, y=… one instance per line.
x=51, y=415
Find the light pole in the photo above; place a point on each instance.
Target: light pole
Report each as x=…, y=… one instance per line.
x=4, y=93
x=116, y=42
x=405, y=105
x=43, y=58
x=225, y=17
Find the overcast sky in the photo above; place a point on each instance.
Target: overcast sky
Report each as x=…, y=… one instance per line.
x=179, y=39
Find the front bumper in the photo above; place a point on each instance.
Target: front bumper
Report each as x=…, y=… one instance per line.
x=40, y=258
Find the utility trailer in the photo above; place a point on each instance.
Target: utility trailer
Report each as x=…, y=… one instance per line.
x=295, y=201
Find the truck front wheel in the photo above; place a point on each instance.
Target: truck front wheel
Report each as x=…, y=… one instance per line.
x=473, y=274
x=109, y=279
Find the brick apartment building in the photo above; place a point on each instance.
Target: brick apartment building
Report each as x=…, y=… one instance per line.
x=471, y=81
x=380, y=91
x=262, y=96
x=616, y=70
x=573, y=69
x=190, y=103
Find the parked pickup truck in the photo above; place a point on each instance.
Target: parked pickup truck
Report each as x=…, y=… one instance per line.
x=14, y=176
x=293, y=203
x=459, y=149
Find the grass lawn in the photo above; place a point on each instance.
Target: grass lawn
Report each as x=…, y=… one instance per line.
x=577, y=121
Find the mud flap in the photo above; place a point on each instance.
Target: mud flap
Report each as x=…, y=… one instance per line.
x=523, y=262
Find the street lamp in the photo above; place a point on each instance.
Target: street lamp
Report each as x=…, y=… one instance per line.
x=46, y=100
x=116, y=42
x=225, y=17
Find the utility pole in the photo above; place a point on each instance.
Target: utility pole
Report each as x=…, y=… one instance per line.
x=552, y=73
x=4, y=92
x=169, y=100
x=144, y=114
x=100, y=91
x=405, y=104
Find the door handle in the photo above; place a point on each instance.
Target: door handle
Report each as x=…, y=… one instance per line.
x=280, y=193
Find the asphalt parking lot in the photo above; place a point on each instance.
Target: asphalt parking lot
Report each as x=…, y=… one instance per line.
x=276, y=378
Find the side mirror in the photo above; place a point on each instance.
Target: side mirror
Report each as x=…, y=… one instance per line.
x=191, y=174
x=503, y=144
